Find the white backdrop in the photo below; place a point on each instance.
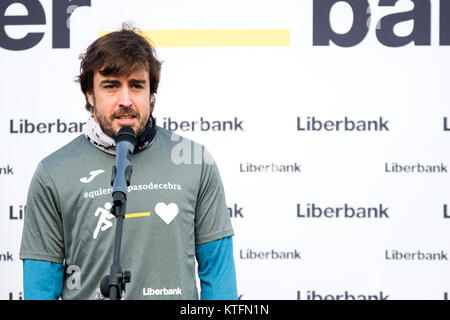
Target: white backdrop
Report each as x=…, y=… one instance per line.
x=270, y=90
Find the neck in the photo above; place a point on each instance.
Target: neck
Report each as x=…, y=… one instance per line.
x=100, y=140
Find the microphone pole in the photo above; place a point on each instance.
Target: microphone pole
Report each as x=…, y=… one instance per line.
x=113, y=286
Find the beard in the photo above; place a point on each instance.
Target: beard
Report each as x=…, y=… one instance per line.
x=110, y=129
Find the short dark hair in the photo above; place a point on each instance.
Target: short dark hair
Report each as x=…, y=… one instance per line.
x=118, y=53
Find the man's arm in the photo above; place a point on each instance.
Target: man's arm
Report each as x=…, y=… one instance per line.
x=42, y=246
x=216, y=270
x=42, y=280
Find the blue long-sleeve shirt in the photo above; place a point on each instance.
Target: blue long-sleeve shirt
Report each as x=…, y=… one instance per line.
x=43, y=280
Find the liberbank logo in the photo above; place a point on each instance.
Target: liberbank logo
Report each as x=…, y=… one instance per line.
x=25, y=126
x=203, y=124
x=347, y=211
x=346, y=124
x=346, y=295
x=33, y=13
x=385, y=29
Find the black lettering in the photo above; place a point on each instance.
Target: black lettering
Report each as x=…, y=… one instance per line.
x=383, y=124
x=41, y=127
x=50, y=125
x=421, y=33
x=323, y=32
x=299, y=214
x=299, y=127
x=216, y=126
x=36, y=16
x=62, y=11
x=61, y=127
x=184, y=125
x=11, y=127
x=6, y=257
x=235, y=211
x=12, y=216
x=29, y=126
x=444, y=23
x=170, y=123
x=72, y=127
x=228, y=124
x=11, y=296
x=238, y=124
x=193, y=125
x=11, y=213
x=8, y=170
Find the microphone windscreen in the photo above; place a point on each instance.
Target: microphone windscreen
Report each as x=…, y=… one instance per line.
x=126, y=134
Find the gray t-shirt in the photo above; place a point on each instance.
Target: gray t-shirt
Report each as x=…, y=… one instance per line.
x=175, y=201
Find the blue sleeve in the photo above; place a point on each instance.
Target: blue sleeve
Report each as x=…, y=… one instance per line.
x=42, y=280
x=216, y=270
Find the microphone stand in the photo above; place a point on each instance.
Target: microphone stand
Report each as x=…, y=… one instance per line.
x=113, y=286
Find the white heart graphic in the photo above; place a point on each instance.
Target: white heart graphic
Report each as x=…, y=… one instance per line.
x=167, y=212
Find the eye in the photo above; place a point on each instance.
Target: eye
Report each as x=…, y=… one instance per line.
x=110, y=86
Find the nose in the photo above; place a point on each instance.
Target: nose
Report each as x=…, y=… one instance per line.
x=125, y=98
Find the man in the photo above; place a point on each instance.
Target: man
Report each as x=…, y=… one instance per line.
x=176, y=210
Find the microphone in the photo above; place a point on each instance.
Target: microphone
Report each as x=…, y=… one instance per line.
x=122, y=170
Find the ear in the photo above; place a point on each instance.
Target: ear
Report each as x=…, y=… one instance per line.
x=152, y=102
x=90, y=98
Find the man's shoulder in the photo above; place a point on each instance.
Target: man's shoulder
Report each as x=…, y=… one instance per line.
x=182, y=150
x=168, y=137
x=70, y=152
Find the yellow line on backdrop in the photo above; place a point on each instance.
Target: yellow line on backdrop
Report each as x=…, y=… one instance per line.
x=217, y=37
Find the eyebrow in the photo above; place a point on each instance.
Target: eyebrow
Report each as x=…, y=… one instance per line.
x=133, y=81
x=110, y=82
x=137, y=81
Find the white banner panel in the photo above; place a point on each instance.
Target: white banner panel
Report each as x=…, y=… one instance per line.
x=328, y=119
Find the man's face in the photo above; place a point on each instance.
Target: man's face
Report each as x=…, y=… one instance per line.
x=121, y=101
